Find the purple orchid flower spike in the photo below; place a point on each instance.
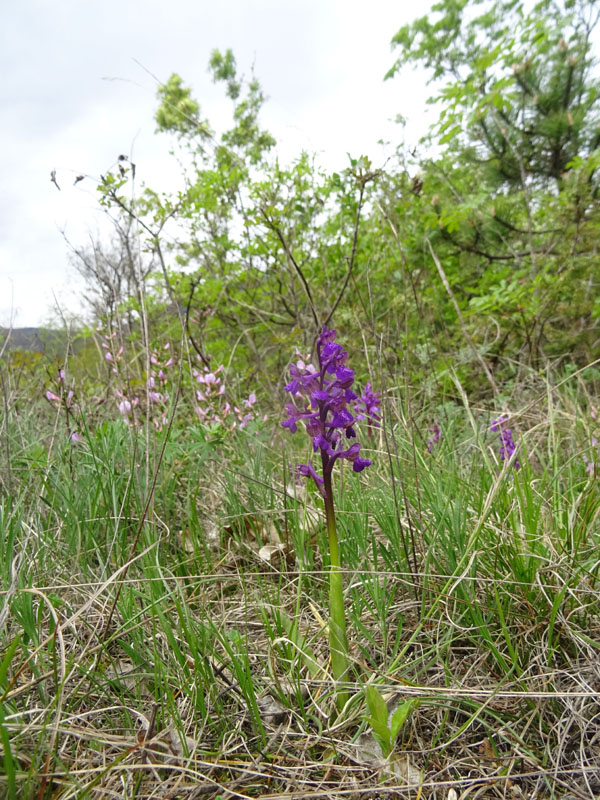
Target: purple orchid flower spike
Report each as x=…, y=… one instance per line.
x=323, y=399
x=507, y=443
x=435, y=435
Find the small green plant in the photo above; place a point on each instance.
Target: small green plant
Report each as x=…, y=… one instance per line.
x=385, y=728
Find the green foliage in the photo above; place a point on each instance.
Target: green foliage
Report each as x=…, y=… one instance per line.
x=178, y=111
x=257, y=255
x=386, y=728
x=518, y=83
x=223, y=68
x=510, y=204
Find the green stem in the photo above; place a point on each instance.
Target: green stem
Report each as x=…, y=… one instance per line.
x=338, y=641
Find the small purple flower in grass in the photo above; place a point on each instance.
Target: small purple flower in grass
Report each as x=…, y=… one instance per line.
x=157, y=383
x=435, y=436
x=592, y=467
x=250, y=401
x=126, y=406
x=507, y=444
x=367, y=407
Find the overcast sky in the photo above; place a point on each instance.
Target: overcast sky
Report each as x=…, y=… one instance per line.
x=78, y=90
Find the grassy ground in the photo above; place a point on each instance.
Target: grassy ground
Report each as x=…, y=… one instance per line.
x=164, y=609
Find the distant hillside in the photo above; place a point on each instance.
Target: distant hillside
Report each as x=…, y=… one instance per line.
x=37, y=340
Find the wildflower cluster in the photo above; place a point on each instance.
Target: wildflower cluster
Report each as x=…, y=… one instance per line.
x=507, y=444
x=111, y=355
x=246, y=414
x=324, y=401
x=367, y=407
x=157, y=385
x=213, y=407
x=210, y=409
x=156, y=382
x=63, y=398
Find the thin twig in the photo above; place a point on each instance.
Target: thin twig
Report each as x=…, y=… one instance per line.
x=270, y=224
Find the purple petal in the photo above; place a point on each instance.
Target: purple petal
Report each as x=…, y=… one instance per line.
x=321, y=442
x=291, y=424
x=308, y=471
x=345, y=376
x=342, y=419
